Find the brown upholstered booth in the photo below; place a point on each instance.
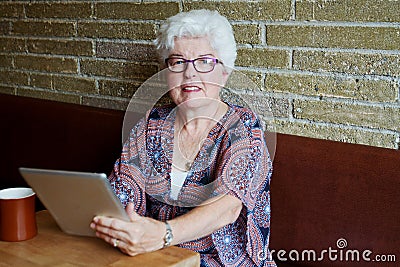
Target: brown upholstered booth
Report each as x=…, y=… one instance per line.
x=326, y=194
x=323, y=193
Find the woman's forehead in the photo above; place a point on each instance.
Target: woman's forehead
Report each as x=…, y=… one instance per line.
x=199, y=45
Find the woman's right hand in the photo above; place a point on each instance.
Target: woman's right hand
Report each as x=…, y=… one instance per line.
x=139, y=235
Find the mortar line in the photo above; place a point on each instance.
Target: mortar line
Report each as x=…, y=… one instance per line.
x=293, y=10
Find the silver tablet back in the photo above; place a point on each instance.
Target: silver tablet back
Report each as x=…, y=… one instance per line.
x=74, y=198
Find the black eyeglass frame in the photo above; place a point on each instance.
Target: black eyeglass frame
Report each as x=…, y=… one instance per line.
x=186, y=61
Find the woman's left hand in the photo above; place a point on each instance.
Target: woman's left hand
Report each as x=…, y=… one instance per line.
x=140, y=235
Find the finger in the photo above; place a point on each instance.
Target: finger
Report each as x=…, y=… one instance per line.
x=105, y=230
x=108, y=222
x=128, y=251
x=111, y=231
x=115, y=242
x=124, y=247
x=121, y=245
x=105, y=233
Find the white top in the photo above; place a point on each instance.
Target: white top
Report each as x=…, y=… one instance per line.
x=178, y=177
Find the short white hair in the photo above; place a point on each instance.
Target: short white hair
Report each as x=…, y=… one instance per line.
x=198, y=23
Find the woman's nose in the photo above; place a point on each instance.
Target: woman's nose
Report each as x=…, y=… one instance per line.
x=190, y=71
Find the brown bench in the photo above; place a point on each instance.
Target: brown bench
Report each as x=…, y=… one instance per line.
x=325, y=191
x=321, y=191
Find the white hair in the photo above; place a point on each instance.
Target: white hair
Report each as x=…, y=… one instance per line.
x=197, y=23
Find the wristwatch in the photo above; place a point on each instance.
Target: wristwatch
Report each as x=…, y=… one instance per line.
x=168, y=235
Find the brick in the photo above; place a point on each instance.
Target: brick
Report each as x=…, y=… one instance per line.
x=117, y=104
x=74, y=84
x=49, y=64
x=5, y=27
x=49, y=95
x=6, y=61
x=333, y=86
x=145, y=11
x=8, y=90
x=60, y=47
x=270, y=10
x=376, y=117
x=37, y=28
x=13, y=77
x=59, y=10
x=354, y=11
x=163, y=101
x=117, y=69
x=245, y=80
x=12, y=45
x=152, y=89
x=247, y=34
x=263, y=105
x=142, y=105
x=118, y=88
x=350, y=63
x=266, y=106
x=265, y=58
x=41, y=80
x=130, y=51
x=384, y=38
x=340, y=134
x=12, y=10
x=124, y=30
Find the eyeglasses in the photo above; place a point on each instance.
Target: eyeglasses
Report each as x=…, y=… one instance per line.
x=201, y=64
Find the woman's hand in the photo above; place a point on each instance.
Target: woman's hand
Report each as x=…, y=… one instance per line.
x=144, y=234
x=140, y=235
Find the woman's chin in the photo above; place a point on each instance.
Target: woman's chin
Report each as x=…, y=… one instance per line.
x=201, y=106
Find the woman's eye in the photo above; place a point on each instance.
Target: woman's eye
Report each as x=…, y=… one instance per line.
x=205, y=61
x=178, y=62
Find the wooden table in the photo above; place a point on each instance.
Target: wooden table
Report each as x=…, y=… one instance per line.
x=52, y=247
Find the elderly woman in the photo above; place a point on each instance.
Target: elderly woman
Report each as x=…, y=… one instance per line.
x=195, y=174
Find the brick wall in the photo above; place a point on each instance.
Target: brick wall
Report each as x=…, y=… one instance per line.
x=330, y=69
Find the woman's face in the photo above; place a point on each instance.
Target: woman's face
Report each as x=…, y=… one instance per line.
x=190, y=84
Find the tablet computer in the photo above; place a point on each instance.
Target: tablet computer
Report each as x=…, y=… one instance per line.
x=74, y=198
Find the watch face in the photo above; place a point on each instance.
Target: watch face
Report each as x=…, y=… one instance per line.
x=168, y=237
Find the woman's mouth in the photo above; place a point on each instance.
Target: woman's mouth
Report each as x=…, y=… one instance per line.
x=191, y=89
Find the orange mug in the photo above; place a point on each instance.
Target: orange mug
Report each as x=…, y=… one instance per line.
x=17, y=214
